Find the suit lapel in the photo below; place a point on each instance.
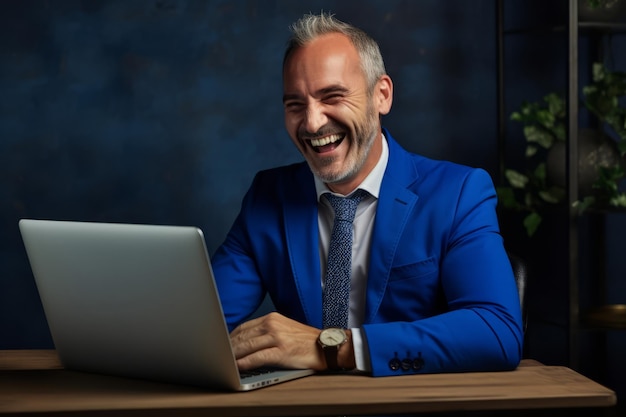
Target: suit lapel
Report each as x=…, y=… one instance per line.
x=395, y=204
x=301, y=230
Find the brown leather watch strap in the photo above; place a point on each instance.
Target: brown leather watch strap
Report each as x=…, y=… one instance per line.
x=330, y=354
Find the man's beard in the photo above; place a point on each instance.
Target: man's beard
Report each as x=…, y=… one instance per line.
x=364, y=141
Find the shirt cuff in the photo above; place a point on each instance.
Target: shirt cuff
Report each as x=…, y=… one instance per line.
x=361, y=354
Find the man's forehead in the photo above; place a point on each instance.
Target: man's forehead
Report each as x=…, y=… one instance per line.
x=331, y=56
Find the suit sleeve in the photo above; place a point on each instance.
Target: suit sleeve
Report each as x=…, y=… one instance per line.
x=236, y=272
x=254, y=260
x=479, y=327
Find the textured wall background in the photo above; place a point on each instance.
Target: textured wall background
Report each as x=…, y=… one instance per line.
x=161, y=111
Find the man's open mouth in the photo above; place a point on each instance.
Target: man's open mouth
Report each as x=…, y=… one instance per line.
x=327, y=143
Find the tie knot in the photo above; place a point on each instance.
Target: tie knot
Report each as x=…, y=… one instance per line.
x=345, y=207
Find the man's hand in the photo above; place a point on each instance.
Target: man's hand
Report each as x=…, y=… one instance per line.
x=275, y=340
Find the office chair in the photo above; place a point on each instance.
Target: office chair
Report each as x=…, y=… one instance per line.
x=520, y=271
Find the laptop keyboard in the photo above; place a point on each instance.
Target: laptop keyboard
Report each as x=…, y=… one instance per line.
x=256, y=372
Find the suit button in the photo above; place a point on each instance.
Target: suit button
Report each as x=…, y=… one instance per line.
x=406, y=364
x=418, y=363
x=395, y=364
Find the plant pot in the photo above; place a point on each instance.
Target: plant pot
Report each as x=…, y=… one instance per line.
x=595, y=149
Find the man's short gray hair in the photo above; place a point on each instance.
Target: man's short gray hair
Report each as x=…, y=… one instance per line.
x=312, y=26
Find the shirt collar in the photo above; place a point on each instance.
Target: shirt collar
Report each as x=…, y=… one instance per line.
x=371, y=183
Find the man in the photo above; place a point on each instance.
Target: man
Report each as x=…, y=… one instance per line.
x=430, y=285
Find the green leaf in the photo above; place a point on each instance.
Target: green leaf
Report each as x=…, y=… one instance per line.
x=540, y=172
x=549, y=197
x=506, y=197
x=586, y=202
x=557, y=193
x=546, y=118
x=538, y=135
x=590, y=89
x=598, y=71
x=594, y=4
x=531, y=223
x=516, y=179
x=560, y=132
x=556, y=104
x=619, y=200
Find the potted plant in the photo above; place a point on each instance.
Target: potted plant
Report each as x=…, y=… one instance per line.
x=601, y=157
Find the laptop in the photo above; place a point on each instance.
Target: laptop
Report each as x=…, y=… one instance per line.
x=136, y=301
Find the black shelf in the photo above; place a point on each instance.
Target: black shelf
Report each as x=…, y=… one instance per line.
x=600, y=317
x=606, y=317
x=602, y=27
x=608, y=28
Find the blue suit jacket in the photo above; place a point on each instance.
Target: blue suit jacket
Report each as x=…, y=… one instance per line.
x=440, y=292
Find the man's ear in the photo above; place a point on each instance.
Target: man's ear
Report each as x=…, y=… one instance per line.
x=383, y=95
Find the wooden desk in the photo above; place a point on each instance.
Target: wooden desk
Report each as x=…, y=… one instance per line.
x=33, y=382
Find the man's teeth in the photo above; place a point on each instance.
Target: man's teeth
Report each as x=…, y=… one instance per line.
x=326, y=140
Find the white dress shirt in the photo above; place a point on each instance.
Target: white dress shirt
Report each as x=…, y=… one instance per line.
x=363, y=227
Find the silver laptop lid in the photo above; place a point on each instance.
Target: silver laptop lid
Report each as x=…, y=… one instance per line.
x=131, y=300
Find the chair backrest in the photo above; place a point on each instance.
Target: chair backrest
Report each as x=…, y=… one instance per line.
x=520, y=271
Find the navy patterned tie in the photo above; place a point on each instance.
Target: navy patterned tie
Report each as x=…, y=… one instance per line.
x=336, y=297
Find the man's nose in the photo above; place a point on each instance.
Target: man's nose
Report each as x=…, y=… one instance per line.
x=315, y=118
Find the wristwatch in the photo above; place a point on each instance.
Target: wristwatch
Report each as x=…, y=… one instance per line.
x=331, y=340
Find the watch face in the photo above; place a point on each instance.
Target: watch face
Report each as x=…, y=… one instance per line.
x=332, y=337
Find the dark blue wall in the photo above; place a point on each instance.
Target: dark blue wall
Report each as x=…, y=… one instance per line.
x=161, y=111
